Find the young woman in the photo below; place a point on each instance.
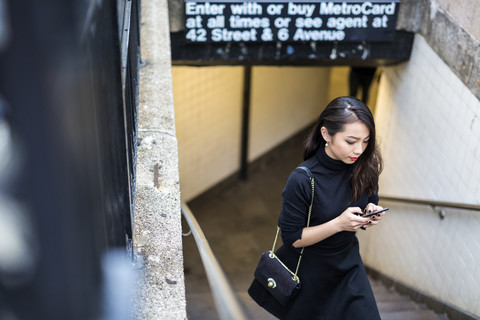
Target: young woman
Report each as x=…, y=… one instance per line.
x=342, y=155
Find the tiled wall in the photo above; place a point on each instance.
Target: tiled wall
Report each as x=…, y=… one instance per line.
x=428, y=123
x=208, y=105
x=284, y=100
x=339, y=85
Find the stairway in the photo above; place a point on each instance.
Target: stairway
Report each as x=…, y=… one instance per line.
x=393, y=306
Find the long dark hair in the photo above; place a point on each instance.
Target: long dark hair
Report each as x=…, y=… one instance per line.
x=339, y=112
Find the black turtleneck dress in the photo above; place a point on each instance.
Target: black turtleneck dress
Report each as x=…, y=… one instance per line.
x=333, y=278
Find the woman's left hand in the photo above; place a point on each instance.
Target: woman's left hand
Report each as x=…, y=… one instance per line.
x=374, y=219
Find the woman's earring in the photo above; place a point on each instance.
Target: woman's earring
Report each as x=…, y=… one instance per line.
x=326, y=144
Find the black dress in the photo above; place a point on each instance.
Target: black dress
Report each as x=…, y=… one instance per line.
x=333, y=278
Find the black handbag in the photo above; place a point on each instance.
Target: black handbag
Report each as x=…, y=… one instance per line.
x=274, y=284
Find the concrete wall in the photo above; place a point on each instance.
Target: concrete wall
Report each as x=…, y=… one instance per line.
x=465, y=13
x=157, y=233
x=208, y=104
x=429, y=127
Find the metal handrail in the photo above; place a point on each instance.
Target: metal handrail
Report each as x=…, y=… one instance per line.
x=225, y=299
x=432, y=203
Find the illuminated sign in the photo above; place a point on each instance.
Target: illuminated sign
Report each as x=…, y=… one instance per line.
x=284, y=21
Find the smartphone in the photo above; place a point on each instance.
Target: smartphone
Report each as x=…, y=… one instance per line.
x=374, y=213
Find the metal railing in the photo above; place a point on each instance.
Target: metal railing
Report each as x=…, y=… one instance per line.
x=68, y=111
x=225, y=299
x=432, y=203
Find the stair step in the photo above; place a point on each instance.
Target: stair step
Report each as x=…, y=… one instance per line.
x=409, y=315
x=390, y=297
x=394, y=306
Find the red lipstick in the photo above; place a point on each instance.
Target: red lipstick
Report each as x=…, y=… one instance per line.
x=353, y=158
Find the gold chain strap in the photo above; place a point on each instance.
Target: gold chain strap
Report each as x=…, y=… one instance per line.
x=308, y=224
x=274, y=242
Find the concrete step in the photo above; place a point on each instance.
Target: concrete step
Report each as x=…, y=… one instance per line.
x=394, y=306
x=409, y=315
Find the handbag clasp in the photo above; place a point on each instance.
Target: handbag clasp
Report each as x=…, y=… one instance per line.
x=271, y=283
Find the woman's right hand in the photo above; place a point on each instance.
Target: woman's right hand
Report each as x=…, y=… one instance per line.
x=350, y=219
x=347, y=221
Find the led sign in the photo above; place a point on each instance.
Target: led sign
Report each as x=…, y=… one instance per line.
x=284, y=21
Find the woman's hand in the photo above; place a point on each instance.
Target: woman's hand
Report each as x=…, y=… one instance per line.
x=374, y=219
x=350, y=219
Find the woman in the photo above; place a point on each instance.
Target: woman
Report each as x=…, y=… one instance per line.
x=345, y=162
